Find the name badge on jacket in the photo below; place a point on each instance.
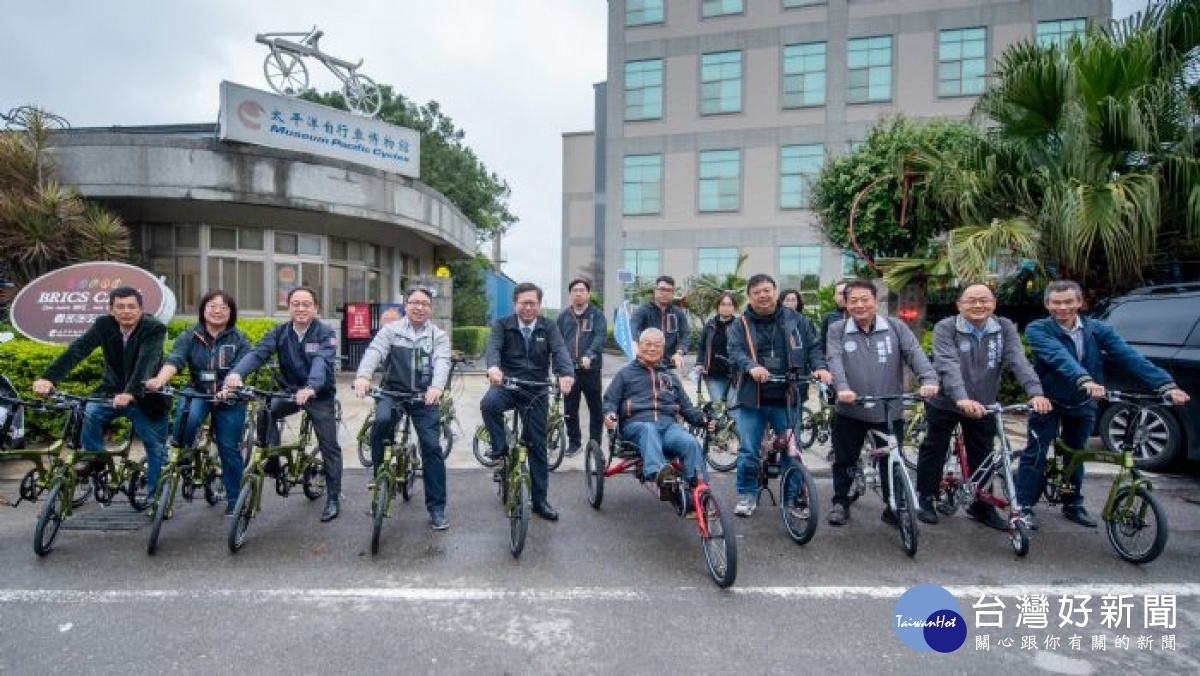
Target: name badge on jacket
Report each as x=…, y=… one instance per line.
x=312, y=348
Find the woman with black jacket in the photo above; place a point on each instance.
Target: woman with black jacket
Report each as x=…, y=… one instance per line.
x=712, y=356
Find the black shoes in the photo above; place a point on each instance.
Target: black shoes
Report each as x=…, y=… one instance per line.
x=1079, y=515
x=889, y=517
x=925, y=511
x=496, y=454
x=332, y=509
x=987, y=515
x=543, y=509
x=573, y=449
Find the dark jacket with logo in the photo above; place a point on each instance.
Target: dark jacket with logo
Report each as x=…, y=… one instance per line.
x=584, y=334
x=714, y=343
x=672, y=322
x=506, y=349
x=303, y=362
x=208, y=360
x=641, y=393
x=126, y=365
x=749, y=334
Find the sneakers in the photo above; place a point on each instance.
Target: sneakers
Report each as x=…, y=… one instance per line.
x=1027, y=517
x=437, y=519
x=889, y=517
x=666, y=480
x=987, y=515
x=573, y=449
x=925, y=511
x=332, y=509
x=1079, y=515
x=746, y=505
x=229, y=507
x=494, y=454
x=839, y=514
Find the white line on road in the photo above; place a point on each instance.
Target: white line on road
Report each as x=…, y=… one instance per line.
x=410, y=594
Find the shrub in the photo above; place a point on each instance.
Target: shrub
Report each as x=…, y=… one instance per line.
x=470, y=340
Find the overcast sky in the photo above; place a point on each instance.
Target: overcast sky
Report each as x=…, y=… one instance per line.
x=513, y=74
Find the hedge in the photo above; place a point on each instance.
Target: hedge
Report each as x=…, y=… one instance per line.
x=470, y=340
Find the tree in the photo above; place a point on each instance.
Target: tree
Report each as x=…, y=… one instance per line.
x=448, y=165
x=470, y=290
x=704, y=292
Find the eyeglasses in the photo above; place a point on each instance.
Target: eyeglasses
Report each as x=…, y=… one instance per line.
x=976, y=301
x=302, y=304
x=665, y=289
x=419, y=303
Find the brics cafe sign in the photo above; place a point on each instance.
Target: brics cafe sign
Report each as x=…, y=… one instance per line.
x=258, y=117
x=60, y=305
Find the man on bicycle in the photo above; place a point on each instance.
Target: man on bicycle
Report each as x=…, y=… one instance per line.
x=307, y=353
x=867, y=354
x=521, y=346
x=132, y=344
x=416, y=362
x=1069, y=352
x=646, y=395
x=664, y=314
x=970, y=350
x=768, y=340
x=584, y=330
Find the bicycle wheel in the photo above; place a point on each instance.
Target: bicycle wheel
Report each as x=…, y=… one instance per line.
x=799, y=505
x=162, y=511
x=214, y=490
x=242, y=513
x=593, y=472
x=480, y=445
x=1137, y=528
x=556, y=445
x=721, y=447
x=408, y=474
x=716, y=536
x=364, y=441
x=363, y=95
x=314, y=482
x=285, y=73
x=906, y=513
x=135, y=489
x=50, y=518
x=1020, y=538
x=246, y=446
x=82, y=493
x=806, y=429
x=379, y=508
x=518, y=519
x=449, y=436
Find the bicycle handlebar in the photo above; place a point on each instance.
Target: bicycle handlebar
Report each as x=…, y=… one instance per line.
x=33, y=404
x=378, y=393
x=870, y=400
x=1011, y=408
x=186, y=393
x=510, y=383
x=791, y=377
x=1137, y=398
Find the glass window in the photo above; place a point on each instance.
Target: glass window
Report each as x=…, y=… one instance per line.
x=721, y=7
x=371, y=255
x=850, y=263
x=250, y=239
x=250, y=294
x=310, y=245
x=804, y=75
x=717, y=261
x=643, y=89
x=800, y=267
x=641, y=12
x=643, y=263
x=356, y=285
x=187, y=286
x=285, y=243
x=222, y=274
x=162, y=238
x=798, y=168
x=223, y=238
x=802, y=3
x=375, y=286
x=720, y=83
x=642, y=185
x=1154, y=321
x=337, y=286
x=869, y=69
x=287, y=277
x=720, y=180
x=187, y=236
x=1059, y=33
x=962, y=61
x=313, y=275
x=337, y=249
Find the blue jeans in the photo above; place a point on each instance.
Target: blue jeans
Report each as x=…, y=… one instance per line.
x=425, y=422
x=718, y=388
x=1076, y=429
x=664, y=439
x=534, y=408
x=752, y=425
x=151, y=430
x=228, y=421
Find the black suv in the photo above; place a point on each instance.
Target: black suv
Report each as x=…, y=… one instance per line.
x=1163, y=323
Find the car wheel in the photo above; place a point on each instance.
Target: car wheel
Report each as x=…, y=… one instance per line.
x=1157, y=443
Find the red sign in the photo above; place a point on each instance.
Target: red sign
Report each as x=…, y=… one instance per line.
x=60, y=305
x=358, y=321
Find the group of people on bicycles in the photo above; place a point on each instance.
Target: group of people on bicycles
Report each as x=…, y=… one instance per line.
x=750, y=360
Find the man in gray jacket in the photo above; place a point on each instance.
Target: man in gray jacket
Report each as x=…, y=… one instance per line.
x=867, y=354
x=969, y=351
x=416, y=358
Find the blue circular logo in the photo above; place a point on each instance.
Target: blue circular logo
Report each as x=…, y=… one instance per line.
x=927, y=618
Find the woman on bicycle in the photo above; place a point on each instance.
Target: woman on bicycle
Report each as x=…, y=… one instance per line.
x=712, y=358
x=209, y=349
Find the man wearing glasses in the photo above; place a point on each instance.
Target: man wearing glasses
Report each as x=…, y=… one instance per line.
x=307, y=351
x=521, y=346
x=663, y=314
x=415, y=356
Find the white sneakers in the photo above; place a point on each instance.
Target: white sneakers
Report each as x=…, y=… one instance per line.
x=746, y=505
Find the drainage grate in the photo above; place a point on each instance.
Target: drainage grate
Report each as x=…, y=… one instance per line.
x=117, y=516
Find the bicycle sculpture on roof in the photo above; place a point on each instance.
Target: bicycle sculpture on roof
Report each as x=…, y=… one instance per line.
x=287, y=74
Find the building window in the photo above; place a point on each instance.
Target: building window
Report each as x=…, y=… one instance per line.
x=851, y=262
x=643, y=89
x=222, y=238
x=642, y=12
x=250, y=239
x=804, y=75
x=285, y=243
x=710, y=8
x=642, y=185
x=309, y=245
x=719, y=262
x=720, y=83
x=869, y=69
x=250, y=287
x=800, y=268
x=720, y=185
x=643, y=263
x=962, y=61
x=187, y=236
x=788, y=4
x=1059, y=33
x=798, y=168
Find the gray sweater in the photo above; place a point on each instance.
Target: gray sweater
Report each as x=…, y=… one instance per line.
x=400, y=334
x=969, y=362
x=872, y=363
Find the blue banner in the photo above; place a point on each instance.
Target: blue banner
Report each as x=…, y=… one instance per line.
x=622, y=331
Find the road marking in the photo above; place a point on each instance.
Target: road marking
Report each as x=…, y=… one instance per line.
x=436, y=594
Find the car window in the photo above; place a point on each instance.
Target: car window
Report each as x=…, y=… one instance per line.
x=1155, y=321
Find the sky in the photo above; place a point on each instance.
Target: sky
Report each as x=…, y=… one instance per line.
x=514, y=75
